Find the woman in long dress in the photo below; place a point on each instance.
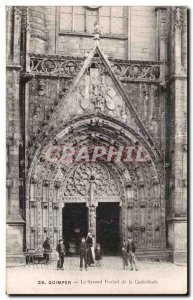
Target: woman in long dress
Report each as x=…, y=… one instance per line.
x=89, y=242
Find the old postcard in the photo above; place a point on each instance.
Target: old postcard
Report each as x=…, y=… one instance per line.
x=96, y=150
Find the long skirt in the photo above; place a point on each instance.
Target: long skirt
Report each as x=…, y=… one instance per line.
x=90, y=257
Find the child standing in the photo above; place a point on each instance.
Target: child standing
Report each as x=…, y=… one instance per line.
x=124, y=256
x=98, y=254
x=83, y=253
x=131, y=253
x=61, y=249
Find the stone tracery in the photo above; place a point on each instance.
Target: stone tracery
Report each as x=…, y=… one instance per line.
x=95, y=112
x=72, y=188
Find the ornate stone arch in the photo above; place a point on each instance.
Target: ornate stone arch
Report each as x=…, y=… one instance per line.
x=143, y=218
x=95, y=110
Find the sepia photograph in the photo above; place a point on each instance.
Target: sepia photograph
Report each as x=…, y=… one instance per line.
x=96, y=150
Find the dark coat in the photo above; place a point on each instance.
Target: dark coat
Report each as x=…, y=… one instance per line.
x=131, y=247
x=89, y=241
x=83, y=247
x=47, y=246
x=61, y=249
x=98, y=254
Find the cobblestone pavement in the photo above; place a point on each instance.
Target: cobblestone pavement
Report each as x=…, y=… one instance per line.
x=110, y=278
x=108, y=263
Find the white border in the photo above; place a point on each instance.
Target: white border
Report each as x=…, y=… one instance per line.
x=4, y=3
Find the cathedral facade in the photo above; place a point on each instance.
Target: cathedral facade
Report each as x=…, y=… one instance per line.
x=85, y=84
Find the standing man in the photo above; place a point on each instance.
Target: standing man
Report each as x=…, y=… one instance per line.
x=131, y=253
x=47, y=249
x=83, y=253
x=61, y=249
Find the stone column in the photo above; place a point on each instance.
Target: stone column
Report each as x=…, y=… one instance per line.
x=15, y=223
x=177, y=220
x=161, y=38
x=178, y=23
x=92, y=221
x=9, y=12
x=92, y=214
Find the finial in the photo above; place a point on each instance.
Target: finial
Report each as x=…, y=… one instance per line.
x=97, y=31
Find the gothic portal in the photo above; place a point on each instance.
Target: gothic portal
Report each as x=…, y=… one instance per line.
x=124, y=88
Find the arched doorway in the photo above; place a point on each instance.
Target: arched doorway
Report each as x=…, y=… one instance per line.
x=135, y=187
x=92, y=198
x=74, y=225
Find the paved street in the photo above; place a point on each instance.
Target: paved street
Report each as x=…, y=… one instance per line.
x=110, y=278
x=108, y=263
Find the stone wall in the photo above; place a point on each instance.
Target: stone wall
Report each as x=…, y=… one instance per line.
x=148, y=36
x=142, y=31
x=138, y=43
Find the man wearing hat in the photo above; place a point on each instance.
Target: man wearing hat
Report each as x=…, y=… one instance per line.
x=83, y=253
x=61, y=249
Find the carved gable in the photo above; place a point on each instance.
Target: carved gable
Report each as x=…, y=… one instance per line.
x=96, y=89
x=95, y=93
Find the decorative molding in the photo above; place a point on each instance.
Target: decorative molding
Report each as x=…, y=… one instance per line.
x=104, y=36
x=155, y=204
x=55, y=205
x=17, y=11
x=155, y=180
x=142, y=228
x=41, y=86
x=44, y=204
x=15, y=67
x=74, y=199
x=32, y=204
x=46, y=182
x=141, y=183
x=41, y=37
x=157, y=228
x=178, y=18
x=130, y=205
x=55, y=65
x=128, y=184
x=34, y=179
x=160, y=8
x=143, y=205
x=132, y=71
x=162, y=20
x=57, y=184
x=66, y=66
x=83, y=185
x=108, y=199
x=130, y=228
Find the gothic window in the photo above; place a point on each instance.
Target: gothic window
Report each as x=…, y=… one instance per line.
x=80, y=19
